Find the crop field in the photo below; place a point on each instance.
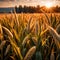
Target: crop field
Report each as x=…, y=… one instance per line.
x=28, y=36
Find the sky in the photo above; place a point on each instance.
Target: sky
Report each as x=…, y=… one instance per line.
x=12, y=3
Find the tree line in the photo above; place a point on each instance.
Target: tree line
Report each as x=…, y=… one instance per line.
x=37, y=9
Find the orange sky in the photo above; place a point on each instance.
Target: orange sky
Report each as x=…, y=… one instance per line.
x=10, y=3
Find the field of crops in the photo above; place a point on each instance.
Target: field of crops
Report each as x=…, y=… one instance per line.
x=30, y=36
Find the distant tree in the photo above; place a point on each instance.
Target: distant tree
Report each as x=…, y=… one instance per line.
x=25, y=9
x=33, y=9
x=20, y=9
x=16, y=9
x=38, y=9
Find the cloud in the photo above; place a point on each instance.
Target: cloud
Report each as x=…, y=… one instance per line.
x=7, y=0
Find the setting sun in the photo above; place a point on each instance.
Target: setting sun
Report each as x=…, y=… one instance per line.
x=48, y=4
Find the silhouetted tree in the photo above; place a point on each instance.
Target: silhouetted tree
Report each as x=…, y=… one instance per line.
x=33, y=9
x=20, y=9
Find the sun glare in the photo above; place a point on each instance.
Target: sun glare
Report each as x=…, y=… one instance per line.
x=48, y=4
